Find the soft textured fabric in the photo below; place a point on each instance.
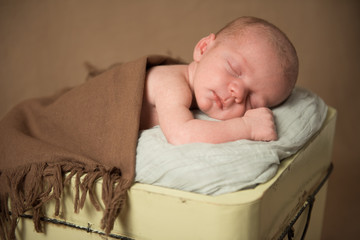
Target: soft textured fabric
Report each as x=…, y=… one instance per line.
x=90, y=130
x=223, y=168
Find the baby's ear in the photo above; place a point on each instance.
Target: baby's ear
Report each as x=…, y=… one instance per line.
x=202, y=46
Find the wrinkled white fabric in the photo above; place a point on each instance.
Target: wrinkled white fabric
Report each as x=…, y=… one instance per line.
x=215, y=169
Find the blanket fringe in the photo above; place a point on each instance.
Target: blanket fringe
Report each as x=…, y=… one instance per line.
x=17, y=195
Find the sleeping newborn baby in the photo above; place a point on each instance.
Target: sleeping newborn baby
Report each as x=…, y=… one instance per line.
x=236, y=75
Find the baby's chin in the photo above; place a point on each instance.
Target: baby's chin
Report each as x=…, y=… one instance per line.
x=211, y=110
x=221, y=115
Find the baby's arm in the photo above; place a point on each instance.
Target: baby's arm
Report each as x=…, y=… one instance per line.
x=196, y=130
x=180, y=127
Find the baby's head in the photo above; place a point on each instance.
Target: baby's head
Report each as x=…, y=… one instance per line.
x=242, y=27
x=248, y=64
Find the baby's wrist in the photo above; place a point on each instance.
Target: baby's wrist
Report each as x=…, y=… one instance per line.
x=244, y=129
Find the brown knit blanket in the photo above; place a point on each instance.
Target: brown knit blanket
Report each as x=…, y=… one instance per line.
x=90, y=130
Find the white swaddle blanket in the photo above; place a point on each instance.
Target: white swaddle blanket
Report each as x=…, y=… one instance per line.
x=215, y=169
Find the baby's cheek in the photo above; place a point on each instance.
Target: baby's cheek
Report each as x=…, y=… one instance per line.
x=204, y=105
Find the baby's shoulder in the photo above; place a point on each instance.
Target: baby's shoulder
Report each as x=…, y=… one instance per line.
x=168, y=81
x=167, y=71
x=168, y=76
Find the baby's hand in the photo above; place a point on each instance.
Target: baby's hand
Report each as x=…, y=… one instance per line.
x=261, y=125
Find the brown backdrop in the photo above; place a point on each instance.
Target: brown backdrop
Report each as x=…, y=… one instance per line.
x=44, y=44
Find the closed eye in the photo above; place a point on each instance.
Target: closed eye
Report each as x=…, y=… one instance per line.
x=233, y=70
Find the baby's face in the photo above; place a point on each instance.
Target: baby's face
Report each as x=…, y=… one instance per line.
x=232, y=77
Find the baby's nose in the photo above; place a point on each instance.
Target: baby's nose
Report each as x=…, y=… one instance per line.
x=237, y=91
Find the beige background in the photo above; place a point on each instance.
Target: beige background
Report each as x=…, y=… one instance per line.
x=44, y=44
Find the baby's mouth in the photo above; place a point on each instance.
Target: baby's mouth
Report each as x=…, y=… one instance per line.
x=219, y=102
